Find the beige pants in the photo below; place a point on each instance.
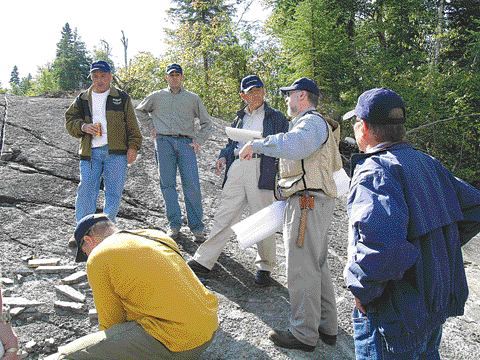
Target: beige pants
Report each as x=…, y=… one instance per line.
x=310, y=287
x=122, y=342
x=240, y=190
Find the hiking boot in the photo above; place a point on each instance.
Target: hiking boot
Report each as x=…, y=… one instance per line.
x=327, y=339
x=199, y=236
x=285, y=339
x=173, y=233
x=198, y=268
x=262, y=278
x=72, y=243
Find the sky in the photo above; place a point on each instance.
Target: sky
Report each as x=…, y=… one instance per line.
x=30, y=29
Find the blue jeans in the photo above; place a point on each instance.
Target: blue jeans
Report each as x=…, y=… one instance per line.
x=173, y=152
x=371, y=345
x=113, y=168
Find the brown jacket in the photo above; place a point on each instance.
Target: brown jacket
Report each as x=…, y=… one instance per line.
x=122, y=125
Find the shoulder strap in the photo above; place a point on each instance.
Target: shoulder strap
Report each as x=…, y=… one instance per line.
x=154, y=239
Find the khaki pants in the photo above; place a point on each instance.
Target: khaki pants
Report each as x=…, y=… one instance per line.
x=240, y=190
x=123, y=341
x=310, y=287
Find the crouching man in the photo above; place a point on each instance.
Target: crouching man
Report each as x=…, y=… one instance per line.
x=150, y=304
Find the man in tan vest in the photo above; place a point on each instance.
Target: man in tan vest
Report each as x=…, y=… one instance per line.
x=309, y=156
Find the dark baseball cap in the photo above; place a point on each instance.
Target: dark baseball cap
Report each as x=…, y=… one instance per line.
x=83, y=227
x=379, y=106
x=249, y=82
x=100, y=65
x=173, y=67
x=302, y=84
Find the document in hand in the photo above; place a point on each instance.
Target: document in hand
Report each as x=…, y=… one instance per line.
x=260, y=225
x=242, y=135
x=342, y=181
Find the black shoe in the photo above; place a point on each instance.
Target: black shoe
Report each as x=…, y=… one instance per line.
x=197, y=268
x=262, y=278
x=327, y=339
x=285, y=339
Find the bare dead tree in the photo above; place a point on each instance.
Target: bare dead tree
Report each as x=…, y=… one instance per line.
x=125, y=46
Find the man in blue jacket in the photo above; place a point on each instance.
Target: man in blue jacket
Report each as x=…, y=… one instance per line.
x=246, y=183
x=408, y=218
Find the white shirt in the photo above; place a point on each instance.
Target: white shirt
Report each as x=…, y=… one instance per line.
x=99, y=115
x=252, y=121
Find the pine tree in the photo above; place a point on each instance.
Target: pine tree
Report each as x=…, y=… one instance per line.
x=71, y=65
x=15, y=76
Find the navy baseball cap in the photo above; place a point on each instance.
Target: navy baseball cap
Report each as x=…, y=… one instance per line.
x=174, y=67
x=302, y=84
x=379, y=106
x=100, y=66
x=83, y=227
x=249, y=82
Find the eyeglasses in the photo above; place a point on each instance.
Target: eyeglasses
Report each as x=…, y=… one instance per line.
x=354, y=120
x=289, y=93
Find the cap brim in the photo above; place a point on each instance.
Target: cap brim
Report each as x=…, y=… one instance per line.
x=81, y=256
x=349, y=115
x=251, y=87
x=174, y=70
x=285, y=89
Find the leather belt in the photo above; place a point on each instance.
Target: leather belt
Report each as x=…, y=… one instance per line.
x=254, y=156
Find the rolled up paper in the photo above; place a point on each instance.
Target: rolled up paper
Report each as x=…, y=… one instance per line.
x=342, y=181
x=260, y=225
x=242, y=135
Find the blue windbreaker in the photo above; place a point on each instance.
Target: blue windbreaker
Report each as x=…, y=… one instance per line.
x=408, y=218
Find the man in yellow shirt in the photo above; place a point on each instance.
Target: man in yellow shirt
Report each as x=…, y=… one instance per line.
x=150, y=304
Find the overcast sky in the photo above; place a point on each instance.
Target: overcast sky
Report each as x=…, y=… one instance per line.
x=30, y=29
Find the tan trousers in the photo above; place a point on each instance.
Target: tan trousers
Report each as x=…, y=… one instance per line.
x=241, y=189
x=125, y=341
x=310, y=287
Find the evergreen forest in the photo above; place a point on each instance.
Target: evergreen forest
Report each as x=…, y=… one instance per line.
x=426, y=50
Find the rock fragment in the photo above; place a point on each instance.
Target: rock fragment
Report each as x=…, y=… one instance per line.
x=75, y=278
x=34, y=263
x=70, y=292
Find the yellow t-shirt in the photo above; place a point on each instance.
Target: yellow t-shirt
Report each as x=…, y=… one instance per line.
x=138, y=279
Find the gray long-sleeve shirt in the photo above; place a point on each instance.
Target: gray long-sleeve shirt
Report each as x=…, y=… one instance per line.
x=302, y=140
x=174, y=114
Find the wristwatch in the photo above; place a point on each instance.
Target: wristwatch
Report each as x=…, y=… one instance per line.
x=5, y=316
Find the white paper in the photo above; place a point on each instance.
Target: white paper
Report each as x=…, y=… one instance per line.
x=242, y=135
x=342, y=181
x=260, y=225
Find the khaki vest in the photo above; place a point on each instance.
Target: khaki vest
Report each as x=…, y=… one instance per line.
x=314, y=172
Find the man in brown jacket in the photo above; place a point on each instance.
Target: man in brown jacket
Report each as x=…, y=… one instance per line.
x=103, y=118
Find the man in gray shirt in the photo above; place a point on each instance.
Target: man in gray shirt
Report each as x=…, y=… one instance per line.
x=173, y=111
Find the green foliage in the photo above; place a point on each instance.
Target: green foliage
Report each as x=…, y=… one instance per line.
x=45, y=82
x=71, y=65
x=428, y=51
x=144, y=75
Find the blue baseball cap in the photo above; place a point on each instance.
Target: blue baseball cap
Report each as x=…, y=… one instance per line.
x=302, y=84
x=174, y=67
x=249, y=82
x=100, y=66
x=379, y=106
x=83, y=227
